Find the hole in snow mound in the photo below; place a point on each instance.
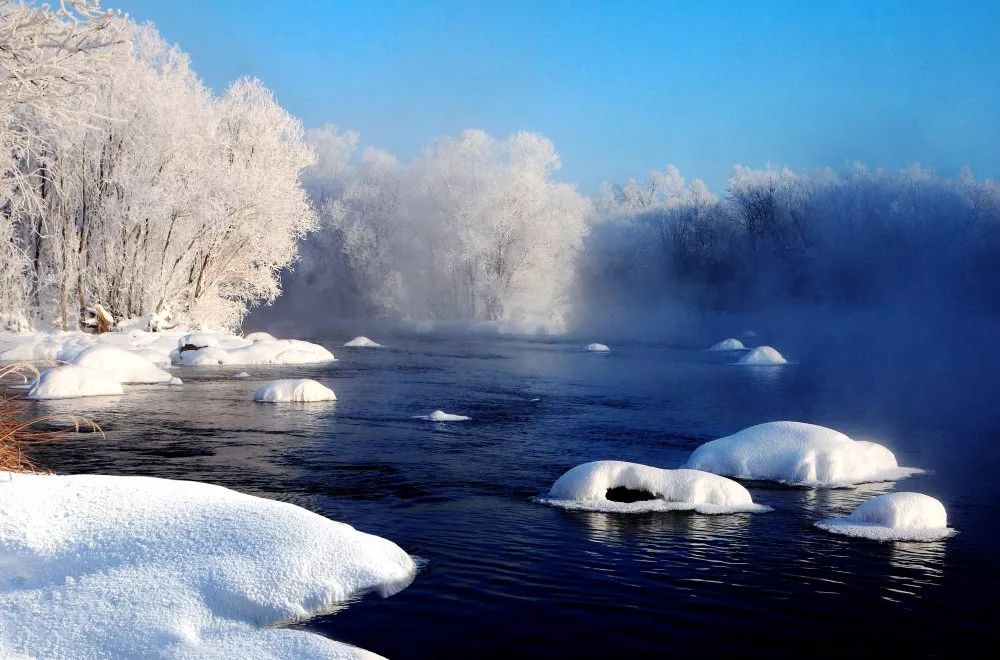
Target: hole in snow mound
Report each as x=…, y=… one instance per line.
x=628, y=495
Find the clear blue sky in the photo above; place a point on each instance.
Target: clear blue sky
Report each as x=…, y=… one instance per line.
x=622, y=88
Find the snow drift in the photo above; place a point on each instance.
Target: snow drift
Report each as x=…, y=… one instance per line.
x=362, y=342
x=99, y=566
x=728, y=345
x=442, y=416
x=70, y=381
x=293, y=390
x=894, y=517
x=763, y=356
x=587, y=487
x=798, y=453
x=596, y=348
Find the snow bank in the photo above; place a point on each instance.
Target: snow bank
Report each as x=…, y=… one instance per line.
x=586, y=487
x=798, y=453
x=442, y=416
x=98, y=566
x=728, y=345
x=70, y=380
x=293, y=390
x=257, y=336
x=596, y=348
x=894, y=517
x=763, y=356
x=362, y=342
x=122, y=365
x=261, y=351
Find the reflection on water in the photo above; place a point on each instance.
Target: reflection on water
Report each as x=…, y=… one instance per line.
x=506, y=576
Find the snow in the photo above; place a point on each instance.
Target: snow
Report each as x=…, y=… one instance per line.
x=297, y=390
x=362, y=342
x=257, y=336
x=216, y=348
x=798, y=453
x=596, y=348
x=70, y=381
x=442, y=416
x=763, y=356
x=728, y=345
x=242, y=374
x=894, y=517
x=100, y=566
x=123, y=365
x=586, y=487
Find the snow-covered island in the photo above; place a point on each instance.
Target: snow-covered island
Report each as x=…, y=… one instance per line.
x=101, y=566
x=800, y=454
x=894, y=517
x=621, y=487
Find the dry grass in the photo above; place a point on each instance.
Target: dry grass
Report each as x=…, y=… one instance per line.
x=19, y=432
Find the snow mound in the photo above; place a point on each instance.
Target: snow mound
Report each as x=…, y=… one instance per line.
x=122, y=365
x=293, y=390
x=242, y=374
x=763, y=356
x=596, y=348
x=257, y=336
x=798, y=453
x=198, y=340
x=70, y=380
x=157, y=358
x=728, y=345
x=442, y=416
x=262, y=351
x=362, y=342
x=894, y=517
x=99, y=566
x=587, y=487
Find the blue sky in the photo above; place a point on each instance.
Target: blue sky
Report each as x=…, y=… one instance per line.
x=622, y=88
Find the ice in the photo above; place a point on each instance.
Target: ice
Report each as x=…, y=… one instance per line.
x=586, y=487
x=297, y=390
x=798, y=453
x=894, y=517
x=99, y=566
x=70, y=380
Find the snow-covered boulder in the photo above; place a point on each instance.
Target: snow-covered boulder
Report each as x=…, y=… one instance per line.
x=728, y=345
x=631, y=487
x=442, y=416
x=122, y=365
x=763, y=356
x=262, y=351
x=100, y=567
x=195, y=340
x=151, y=355
x=257, y=336
x=798, y=453
x=362, y=342
x=293, y=390
x=70, y=381
x=596, y=348
x=241, y=374
x=894, y=517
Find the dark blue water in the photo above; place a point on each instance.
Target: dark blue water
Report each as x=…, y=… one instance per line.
x=506, y=576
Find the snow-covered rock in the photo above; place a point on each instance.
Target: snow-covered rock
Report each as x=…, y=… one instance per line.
x=894, y=517
x=442, y=416
x=293, y=390
x=257, y=336
x=99, y=566
x=151, y=355
x=70, y=381
x=763, y=356
x=122, y=365
x=362, y=342
x=596, y=348
x=262, y=351
x=587, y=486
x=728, y=345
x=241, y=374
x=798, y=453
x=197, y=340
